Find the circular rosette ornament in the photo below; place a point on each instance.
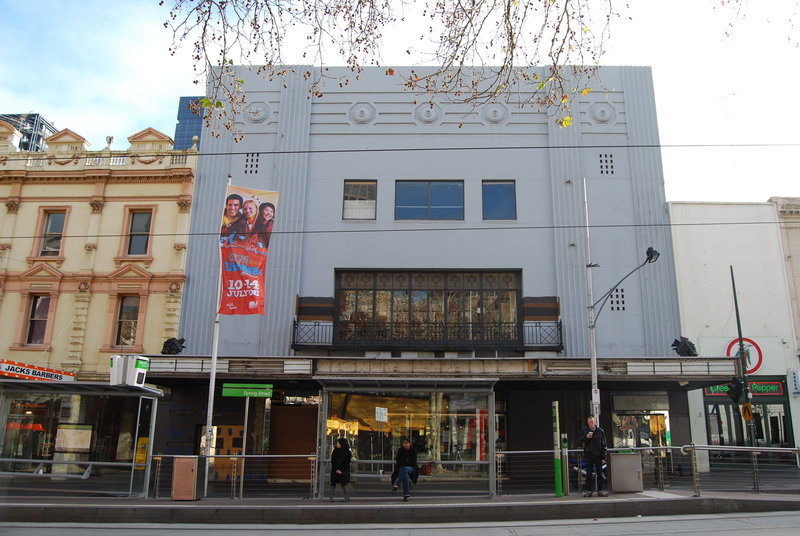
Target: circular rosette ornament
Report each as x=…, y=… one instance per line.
x=362, y=113
x=429, y=113
x=494, y=114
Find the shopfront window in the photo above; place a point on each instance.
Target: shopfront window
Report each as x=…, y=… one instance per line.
x=640, y=429
x=770, y=422
x=70, y=427
x=442, y=426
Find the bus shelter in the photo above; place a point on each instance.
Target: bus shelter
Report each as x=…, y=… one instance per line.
x=81, y=437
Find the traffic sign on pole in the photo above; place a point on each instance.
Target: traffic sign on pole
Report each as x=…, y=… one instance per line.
x=747, y=411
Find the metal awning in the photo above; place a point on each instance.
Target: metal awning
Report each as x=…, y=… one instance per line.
x=407, y=384
x=77, y=388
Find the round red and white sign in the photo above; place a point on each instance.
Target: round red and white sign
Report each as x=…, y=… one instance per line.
x=755, y=357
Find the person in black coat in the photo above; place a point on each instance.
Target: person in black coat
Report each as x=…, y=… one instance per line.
x=593, y=441
x=405, y=470
x=340, y=467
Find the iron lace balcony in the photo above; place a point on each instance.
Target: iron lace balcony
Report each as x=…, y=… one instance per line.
x=545, y=336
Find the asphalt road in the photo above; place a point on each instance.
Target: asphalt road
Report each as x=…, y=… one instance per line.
x=772, y=523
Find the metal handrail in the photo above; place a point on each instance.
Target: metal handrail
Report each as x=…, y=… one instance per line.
x=686, y=449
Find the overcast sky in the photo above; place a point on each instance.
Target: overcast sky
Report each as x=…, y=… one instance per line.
x=725, y=115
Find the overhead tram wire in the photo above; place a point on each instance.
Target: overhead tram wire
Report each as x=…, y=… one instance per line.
x=426, y=229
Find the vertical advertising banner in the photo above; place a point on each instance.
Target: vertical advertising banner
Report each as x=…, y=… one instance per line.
x=247, y=220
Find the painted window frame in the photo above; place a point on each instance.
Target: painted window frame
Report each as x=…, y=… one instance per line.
x=487, y=214
x=28, y=298
x=115, y=300
x=347, y=211
x=125, y=235
x=39, y=234
x=429, y=205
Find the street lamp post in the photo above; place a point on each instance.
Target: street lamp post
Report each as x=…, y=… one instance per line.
x=594, y=313
x=593, y=309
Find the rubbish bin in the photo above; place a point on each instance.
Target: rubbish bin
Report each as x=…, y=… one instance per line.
x=626, y=472
x=184, y=478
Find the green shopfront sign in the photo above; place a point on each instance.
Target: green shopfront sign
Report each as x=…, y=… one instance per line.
x=254, y=390
x=757, y=388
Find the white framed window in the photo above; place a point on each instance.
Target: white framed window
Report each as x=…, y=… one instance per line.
x=360, y=200
x=139, y=232
x=52, y=233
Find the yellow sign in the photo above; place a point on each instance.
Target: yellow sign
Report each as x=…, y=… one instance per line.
x=747, y=411
x=141, y=452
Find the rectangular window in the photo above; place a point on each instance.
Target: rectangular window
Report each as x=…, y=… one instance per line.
x=499, y=200
x=127, y=320
x=429, y=200
x=359, y=200
x=37, y=321
x=139, y=235
x=52, y=233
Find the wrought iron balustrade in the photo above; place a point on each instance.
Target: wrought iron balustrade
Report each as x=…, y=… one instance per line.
x=465, y=335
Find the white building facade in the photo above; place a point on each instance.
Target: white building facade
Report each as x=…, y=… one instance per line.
x=711, y=240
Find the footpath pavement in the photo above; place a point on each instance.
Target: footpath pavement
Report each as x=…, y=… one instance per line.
x=385, y=510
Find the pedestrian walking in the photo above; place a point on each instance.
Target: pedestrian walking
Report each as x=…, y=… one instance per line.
x=340, y=467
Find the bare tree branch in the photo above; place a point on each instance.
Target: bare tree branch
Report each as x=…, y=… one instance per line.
x=481, y=50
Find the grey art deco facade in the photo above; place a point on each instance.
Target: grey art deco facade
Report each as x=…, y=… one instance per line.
x=427, y=272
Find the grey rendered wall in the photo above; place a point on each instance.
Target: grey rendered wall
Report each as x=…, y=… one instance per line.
x=373, y=129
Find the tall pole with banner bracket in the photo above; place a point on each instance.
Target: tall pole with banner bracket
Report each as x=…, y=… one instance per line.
x=212, y=375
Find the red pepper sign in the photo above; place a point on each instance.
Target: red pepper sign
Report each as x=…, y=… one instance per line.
x=754, y=355
x=247, y=221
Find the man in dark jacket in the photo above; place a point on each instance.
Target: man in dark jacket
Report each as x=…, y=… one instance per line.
x=593, y=441
x=406, y=470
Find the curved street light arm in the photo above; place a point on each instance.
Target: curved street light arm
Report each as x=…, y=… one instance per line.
x=604, y=297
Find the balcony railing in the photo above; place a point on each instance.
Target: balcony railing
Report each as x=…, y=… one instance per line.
x=430, y=335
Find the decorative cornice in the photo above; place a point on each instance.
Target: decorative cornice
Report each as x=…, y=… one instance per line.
x=142, y=176
x=98, y=283
x=12, y=205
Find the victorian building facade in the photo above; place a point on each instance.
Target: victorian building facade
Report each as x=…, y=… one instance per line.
x=92, y=255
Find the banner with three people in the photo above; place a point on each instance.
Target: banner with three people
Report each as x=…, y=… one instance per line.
x=247, y=221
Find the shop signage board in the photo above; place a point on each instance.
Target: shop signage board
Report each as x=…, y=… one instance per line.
x=381, y=414
x=23, y=371
x=756, y=388
x=253, y=390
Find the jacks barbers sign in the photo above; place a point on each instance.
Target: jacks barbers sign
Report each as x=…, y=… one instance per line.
x=23, y=371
